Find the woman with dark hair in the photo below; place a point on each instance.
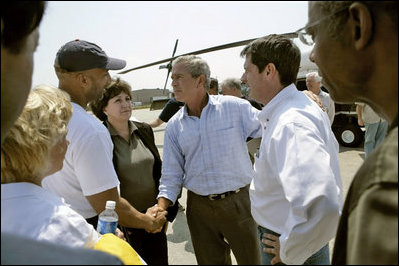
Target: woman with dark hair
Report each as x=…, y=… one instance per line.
x=138, y=165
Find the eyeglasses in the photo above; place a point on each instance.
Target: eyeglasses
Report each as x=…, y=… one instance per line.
x=305, y=37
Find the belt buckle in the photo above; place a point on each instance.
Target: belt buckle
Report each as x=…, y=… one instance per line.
x=212, y=195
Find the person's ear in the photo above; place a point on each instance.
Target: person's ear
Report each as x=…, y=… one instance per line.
x=269, y=69
x=361, y=23
x=201, y=80
x=83, y=79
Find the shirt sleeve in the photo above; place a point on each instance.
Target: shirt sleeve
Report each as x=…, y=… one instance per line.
x=171, y=180
x=373, y=227
x=69, y=228
x=251, y=124
x=93, y=164
x=171, y=108
x=305, y=172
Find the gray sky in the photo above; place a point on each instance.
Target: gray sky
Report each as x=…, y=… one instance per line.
x=144, y=32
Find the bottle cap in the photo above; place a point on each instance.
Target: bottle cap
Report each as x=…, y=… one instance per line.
x=110, y=204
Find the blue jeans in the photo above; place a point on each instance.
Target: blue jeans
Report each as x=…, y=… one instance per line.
x=374, y=135
x=321, y=257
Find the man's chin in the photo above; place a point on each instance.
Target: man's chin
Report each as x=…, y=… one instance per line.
x=178, y=97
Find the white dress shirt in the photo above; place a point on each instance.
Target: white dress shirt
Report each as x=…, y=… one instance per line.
x=33, y=212
x=297, y=189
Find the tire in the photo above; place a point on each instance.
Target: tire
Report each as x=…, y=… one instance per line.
x=349, y=135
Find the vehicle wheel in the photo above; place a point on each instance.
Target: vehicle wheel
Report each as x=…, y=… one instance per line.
x=349, y=135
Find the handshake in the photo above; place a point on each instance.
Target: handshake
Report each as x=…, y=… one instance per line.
x=157, y=219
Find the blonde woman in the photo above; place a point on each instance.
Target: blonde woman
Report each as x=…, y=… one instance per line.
x=33, y=149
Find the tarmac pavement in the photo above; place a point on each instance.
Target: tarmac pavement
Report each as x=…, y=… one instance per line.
x=180, y=248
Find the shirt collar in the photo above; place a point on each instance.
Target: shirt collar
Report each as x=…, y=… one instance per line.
x=19, y=189
x=268, y=109
x=213, y=100
x=113, y=132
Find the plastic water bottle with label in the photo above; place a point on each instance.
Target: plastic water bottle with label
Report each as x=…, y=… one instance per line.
x=108, y=219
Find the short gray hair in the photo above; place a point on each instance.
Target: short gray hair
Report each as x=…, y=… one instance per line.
x=232, y=83
x=196, y=66
x=315, y=76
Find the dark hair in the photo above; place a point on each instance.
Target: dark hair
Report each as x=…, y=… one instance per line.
x=114, y=89
x=280, y=51
x=214, y=83
x=20, y=18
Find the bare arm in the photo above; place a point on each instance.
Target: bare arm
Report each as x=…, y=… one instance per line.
x=156, y=122
x=128, y=215
x=359, y=115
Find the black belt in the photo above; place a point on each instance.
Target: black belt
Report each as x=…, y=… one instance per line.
x=222, y=195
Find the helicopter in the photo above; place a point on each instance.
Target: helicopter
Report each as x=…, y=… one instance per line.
x=346, y=130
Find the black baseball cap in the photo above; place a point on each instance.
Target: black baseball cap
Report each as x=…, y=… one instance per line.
x=79, y=55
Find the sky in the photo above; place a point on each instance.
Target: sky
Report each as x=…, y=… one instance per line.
x=142, y=32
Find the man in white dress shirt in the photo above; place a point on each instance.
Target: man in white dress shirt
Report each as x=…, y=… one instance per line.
x=313, y=83
x=296, y=193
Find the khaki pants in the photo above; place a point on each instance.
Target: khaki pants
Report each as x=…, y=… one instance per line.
x=220, y=225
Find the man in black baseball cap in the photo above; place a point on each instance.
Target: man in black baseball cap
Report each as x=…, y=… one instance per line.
x=88, y=178
x=82, y=70
x=79, y=55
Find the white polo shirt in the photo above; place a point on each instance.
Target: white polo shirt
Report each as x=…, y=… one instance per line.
x=88, y=168
x=33, y=212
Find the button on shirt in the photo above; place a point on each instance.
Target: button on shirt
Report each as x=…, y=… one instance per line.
x=297, y=189
x=209, y=155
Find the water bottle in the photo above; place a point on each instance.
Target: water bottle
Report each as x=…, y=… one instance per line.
x=108, y=219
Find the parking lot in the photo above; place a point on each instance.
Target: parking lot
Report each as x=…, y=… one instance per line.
x=179, y=243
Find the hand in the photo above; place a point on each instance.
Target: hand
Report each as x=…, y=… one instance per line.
x=360, y=122
x=158, y=219
x=274, y=241
x=165, y=227
x=153, y=211
x=315, y=98
x=120, y=234
x=159, y=222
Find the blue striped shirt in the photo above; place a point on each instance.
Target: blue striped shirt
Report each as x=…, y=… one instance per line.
x=209, y=155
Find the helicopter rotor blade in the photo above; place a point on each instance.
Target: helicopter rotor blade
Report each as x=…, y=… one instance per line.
x=203, y=51
x=174, y=50
x=166, y=81
x=169, y=66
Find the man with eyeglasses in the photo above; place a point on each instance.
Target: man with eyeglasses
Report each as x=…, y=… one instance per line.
x=356, y=50
x=296, y=193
